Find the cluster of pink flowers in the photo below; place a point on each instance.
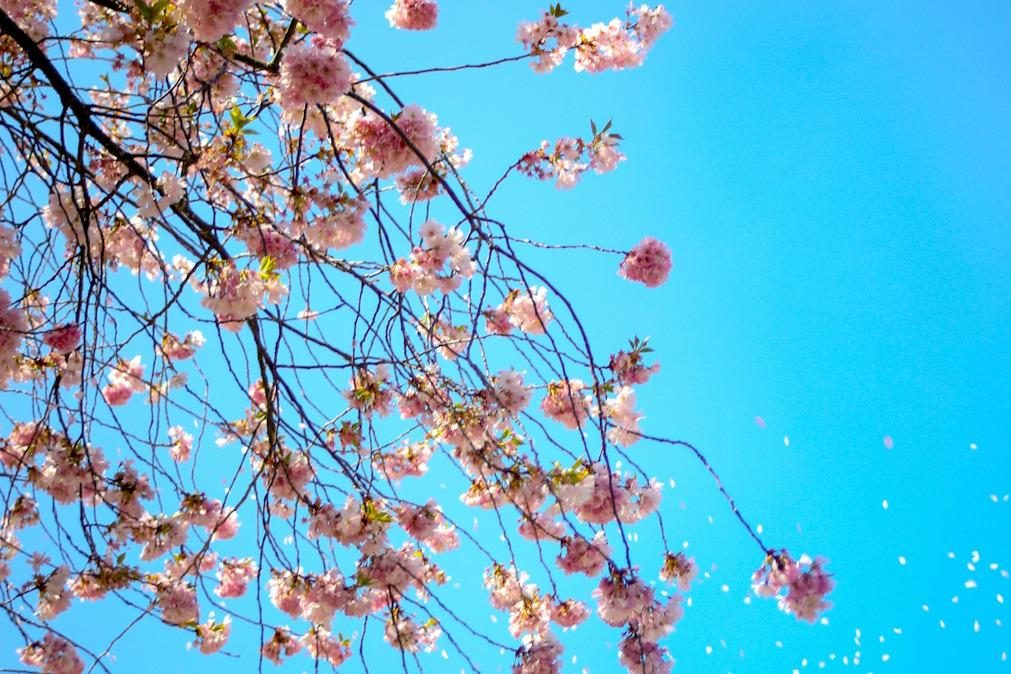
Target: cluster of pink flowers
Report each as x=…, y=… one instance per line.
x=628, y=366
x=235, y=295
x=620, y=410
x=623, y=600
x=408, y=460
x=616, y=45
x=13, y=326
x=413, y=14
x=221, y=523
x=52, y=655
x=649, y=263
x=369, y=393
x=383, y=151
x=526, y=310
x=569, y=158
x=272, y=244
x=441, y=262
x=10, y=248
x=313, y=72
x=210, y=20
x=177, y=600
x=182, y=444
x=405, y=634
x=329, y=18
x=362, y=525
x=322, y=645
x=547, y=40
x=54, y=597
x=64, y=338
x=580, y=555
x=530, y=612
x=426, y=524
x=125, y=379
x=567, y=402
x=342, y=226
x=678, y=568
x=644, y=657
x=596, y=497
x=176, y=349
x=233, y=576
x=805, y=581
x=212, y=636
x=31, y=15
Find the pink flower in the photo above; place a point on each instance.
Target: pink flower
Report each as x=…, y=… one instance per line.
x=312, y=72
x=52, y=655
x=641, y=656
x=580, y=555
x=322, y=645
x=63, y=339
x=569, y=613
x=648, y=263
x=383, y=150
x=178, y=602
x=329, y=18
x=281, y=643
x=12, y=328
x=680, y=568
x=182, y=444
x=621, y=411
x=806, y=583
x=540, y=655
x=413, y=14
x=211, y=20
x=212, y=636
x=233, y=577
x=567, y=403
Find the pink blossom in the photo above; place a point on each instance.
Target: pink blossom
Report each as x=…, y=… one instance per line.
x=413, y=14
x=640, y=656
x=569, y=613
x=124, y=380
x=233, y=576
x=63, y=339
x=322, y=645
x=52, y=655
x=182, y=444
x=629, y=369
x=212, y=636
x=680, y=568
x=547, y=40
x=282, y=643
x=10, y=247
x=211, y=20
x=329, y=18
x=805, y=580
x=567, y=403
x=580, y=555
x=620, y=410
x=313, y=72
x=12, y=328
x=648, y=263
x=402, y=633
x=540, y=654
x=178, y=602
x=384, y=152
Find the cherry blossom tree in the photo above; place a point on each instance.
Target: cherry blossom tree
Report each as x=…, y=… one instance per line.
x=236, y=346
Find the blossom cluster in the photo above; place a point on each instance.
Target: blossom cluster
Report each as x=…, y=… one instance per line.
x=615, y=45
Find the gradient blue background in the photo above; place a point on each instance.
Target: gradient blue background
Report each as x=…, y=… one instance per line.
x=833, y=181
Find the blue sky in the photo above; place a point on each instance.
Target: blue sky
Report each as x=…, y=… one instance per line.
x=832, y=179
